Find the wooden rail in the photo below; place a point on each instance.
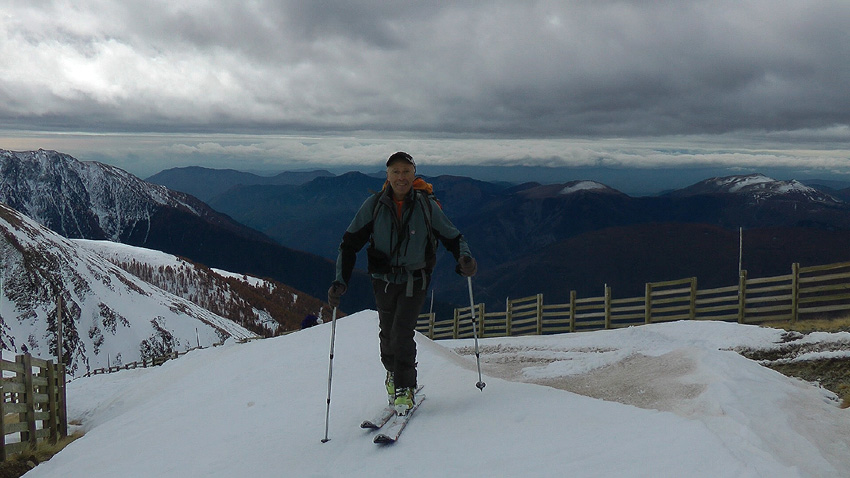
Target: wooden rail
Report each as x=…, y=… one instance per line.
x=32, y=404
x=806, y=293
x=156, y=361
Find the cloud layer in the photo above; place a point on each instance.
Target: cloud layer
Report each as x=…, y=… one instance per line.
x=537, y=81
x=527, y=69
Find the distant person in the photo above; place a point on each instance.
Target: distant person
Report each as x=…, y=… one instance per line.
x=402, y=224
x=309, y=321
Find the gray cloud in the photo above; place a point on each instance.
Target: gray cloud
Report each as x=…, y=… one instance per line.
x=771, y=72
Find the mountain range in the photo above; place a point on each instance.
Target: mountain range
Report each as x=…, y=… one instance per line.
x=580, y=234
x=205, y=183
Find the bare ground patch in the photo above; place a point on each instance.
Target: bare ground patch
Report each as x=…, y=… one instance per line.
x=639, y=380
x=653, y=382
x=635, y=379
x=829, y=365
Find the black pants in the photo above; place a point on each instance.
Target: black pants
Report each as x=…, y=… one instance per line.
x=397, y=315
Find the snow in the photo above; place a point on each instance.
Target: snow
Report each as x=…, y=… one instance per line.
x=792, y=186
x=116, y=317
x=742, y=182
x=582, y=186
x=123, y=253
x=762, y=184
x=680, y=404
x=126, y=253
x=251, y=280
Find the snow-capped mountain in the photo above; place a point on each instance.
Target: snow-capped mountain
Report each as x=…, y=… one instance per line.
x=88, y=199
x=566, y=189
x=758, y=187
x=108, y=315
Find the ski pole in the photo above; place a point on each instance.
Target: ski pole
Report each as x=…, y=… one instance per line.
x=480, y=383
x=330, y=375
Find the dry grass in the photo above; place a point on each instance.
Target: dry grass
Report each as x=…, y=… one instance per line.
x=840, y=324
x=832, y=374
x=15, y=466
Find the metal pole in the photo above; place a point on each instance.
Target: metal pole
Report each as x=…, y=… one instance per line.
x=330, y=375
x=60, y=346
x=480, y=383
x=740, y=249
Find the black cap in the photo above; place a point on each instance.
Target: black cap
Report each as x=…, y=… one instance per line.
x=401, y=156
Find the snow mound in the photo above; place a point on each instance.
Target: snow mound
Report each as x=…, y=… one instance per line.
x=258, y=410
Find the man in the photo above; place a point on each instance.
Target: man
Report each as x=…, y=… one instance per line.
x=402, y=224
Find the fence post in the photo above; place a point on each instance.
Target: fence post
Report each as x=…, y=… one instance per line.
x=647, y=302
x=60, y=345
x=52, y=404
x=572, y=311
x=63, y=398
x=2, y=416
x=795, y=291
x=742, y=296
x=431, y=321
x=607, y=307
x=508, y=317
x=481, y=318
x=29, y=390
x=539, y=314
x=457, y=321
x=693, y=311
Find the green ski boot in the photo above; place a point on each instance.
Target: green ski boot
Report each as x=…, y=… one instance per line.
x=404, y=400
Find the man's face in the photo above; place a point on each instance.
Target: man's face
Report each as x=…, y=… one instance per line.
x=401, y=176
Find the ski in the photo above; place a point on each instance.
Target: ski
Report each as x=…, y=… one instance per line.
x=381, y=418
x=393, y=430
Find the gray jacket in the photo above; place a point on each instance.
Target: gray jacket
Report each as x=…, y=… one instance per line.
x=401, y=249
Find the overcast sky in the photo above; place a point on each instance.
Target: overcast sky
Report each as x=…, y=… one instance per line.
x=262, y=84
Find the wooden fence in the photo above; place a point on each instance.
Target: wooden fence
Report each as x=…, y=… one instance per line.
x=145, y=363
x=805, y=293
x=155, y=361
x=32, y=404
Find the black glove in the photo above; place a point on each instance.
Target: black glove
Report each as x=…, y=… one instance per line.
x=466, y=266
x=335, y=292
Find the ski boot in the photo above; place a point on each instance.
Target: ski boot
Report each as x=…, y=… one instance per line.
x=404, y=400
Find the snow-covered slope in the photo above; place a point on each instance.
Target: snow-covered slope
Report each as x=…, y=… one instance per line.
x=263, y=306
x=724, y=415
x=108, y=315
